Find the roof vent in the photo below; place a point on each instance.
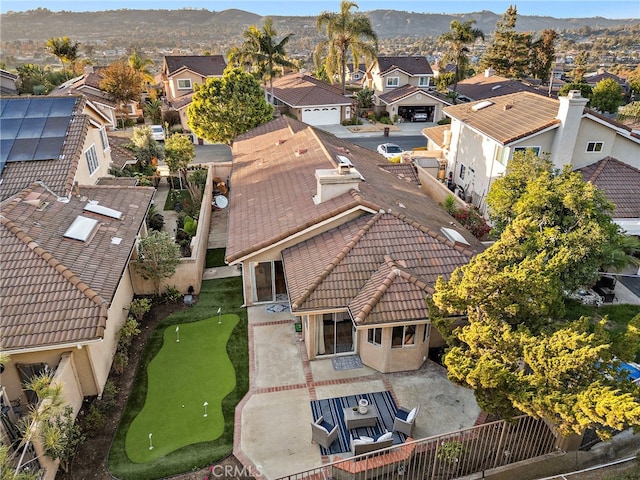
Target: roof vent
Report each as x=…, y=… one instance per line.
x=300, y=151
x=507, y=106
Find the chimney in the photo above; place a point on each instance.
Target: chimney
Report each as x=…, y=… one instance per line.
x=489, y=72
x=570, y=115
x=334, y=182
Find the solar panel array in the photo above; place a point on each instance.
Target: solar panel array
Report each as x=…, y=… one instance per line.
x=33, y=128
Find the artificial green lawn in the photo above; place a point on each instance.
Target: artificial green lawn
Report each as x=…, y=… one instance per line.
x=227, y=294
x=215, y=258
x=183, y=375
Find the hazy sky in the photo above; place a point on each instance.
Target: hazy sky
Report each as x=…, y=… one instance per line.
x=557, y=8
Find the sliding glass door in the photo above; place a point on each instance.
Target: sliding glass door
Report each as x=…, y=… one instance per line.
x=338, y=334
x=268, y=282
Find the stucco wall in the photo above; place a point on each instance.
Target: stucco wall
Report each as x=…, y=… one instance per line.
x=386, y=359
x=83, y=177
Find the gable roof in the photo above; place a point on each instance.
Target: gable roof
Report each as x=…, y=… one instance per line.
x=277, y=185
x=508, y=118
x=205, y=65
x=407, y=90
x=87, y=85
x=379, y=260
x=300, y=90
x=57, y=290
x=56, y=167
x=417, y=65
x=482, y=86
x=619, y=181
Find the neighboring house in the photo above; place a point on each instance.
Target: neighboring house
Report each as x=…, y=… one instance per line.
x=60, y=141
x=488, y=85
x=348, y=242
x=8, y=83
x=593, y=78
x=181, y=72
x=65, y=288
x=356, y=74
x=310, y=100
x=484, y=136
x=403, y=86
x=88, y=85
x=121, y=155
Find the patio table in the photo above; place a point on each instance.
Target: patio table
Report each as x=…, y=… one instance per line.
x=355, y=419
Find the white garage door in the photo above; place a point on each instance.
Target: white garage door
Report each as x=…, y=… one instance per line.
x=321, y=116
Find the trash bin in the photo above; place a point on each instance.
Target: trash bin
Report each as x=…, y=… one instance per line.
x=386, y=131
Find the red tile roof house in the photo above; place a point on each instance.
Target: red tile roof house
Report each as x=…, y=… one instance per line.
x=485, y=135
x=403, y=86
x=353, y=247
x=63, y=297
x=310, y=100
x=181, y=72
x=65, y=289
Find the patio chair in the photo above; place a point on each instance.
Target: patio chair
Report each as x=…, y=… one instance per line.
x=323, y=433
x=405, y=419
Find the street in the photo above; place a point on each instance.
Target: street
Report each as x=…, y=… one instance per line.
x=406, y=142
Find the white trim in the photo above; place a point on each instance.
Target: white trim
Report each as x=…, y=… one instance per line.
x=178, y=87
x=53, y=346
x=388, y=85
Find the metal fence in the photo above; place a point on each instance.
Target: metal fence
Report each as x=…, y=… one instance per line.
x=443, y=457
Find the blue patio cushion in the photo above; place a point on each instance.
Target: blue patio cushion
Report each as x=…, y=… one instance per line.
x=326, y=425
x=402, y=415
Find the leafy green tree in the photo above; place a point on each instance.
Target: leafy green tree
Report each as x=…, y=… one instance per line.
x=32, y=78
x=580, y=66
x=607, y=96
x=179, y=152
x=223, y=108
x=147, y=151
x=631, y=111
x=142, y=65
x=508, y=55
x=123, y=83
x=542, y=55
x=158, y=257
x=65, y=50
x=585, y=89
x=261, y=53
x=459, y=36
x=348, y=34
x=634, y=81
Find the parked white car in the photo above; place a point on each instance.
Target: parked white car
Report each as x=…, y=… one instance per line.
x=389, y=150
x=157, y=133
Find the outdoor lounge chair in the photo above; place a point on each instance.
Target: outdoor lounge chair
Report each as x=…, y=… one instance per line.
x=323, y=433
x=405, y=420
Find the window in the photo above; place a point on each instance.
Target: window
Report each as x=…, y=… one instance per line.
x=593, y=147
x=463, y=170
x=393, y=81
x=92, y=159
x=423, y=81
x=131, y=109
x=184, y=84
x=374, y=336
x=403, y=336
x=536, y=150
x=425, y=332
x=103, y=137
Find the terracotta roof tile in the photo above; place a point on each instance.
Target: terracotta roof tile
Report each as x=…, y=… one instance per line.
x=55, y=290
x=620, y=182
x=299, y=90
x=509, y=117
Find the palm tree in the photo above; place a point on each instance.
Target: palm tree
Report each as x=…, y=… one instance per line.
x=141, y=65
x=260, y=53
x=347, y=33
x=457, y=38
x=66, y=51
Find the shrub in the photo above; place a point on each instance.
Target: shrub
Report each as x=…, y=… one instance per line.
x=95, y=419
x=156, y=221
x=386, y=120
x=445, y=121
x=371, y=116
x=172, y=294
x=396, y=159
x=171, y=117
x=472, y=220
x=139, y=307
x=450, y=205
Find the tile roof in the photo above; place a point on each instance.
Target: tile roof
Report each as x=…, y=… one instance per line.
x=300, y=90
x=436, y=134
x=404, y=171
x=58, y=174
x=620, y=182
x=411, y=65
x=356, y=265
x=407, y=90
x=55, y=290
x=88, y=85
x=117, y=181
x=509, y=118
x=277, y=186
x=480, y=87
x=205, y=65
x=121, y=155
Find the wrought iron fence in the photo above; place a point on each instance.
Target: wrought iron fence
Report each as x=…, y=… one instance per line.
x=443, y=457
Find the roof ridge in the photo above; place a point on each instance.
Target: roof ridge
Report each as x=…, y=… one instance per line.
x=601, y=165
x=336, y=260
x=52, y=261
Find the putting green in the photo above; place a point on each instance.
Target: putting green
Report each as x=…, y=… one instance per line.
x=182, y=377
